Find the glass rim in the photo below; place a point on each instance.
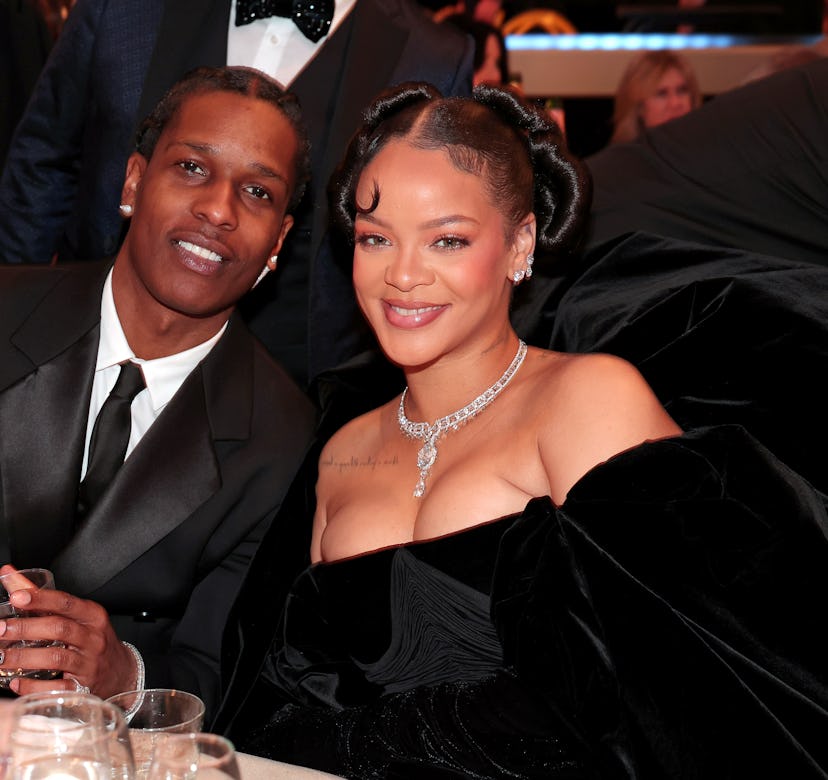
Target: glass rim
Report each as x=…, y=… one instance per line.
x=113, y=715
x=25, y=569
x=49, y=577
x=58, y=693
x=137, y=698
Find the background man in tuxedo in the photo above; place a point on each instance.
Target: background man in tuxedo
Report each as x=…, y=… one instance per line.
x=114, y=60
x=213, y=432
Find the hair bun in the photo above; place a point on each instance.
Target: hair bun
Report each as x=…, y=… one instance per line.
x=562, y=185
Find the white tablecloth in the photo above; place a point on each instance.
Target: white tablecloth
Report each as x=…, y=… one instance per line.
x=256, y=768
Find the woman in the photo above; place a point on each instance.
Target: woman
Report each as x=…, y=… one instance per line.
x=442, y=236
x=485, y=602
x=657, y=86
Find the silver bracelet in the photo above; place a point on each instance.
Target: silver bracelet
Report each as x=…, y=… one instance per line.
x=140, y=674
x=139, y=666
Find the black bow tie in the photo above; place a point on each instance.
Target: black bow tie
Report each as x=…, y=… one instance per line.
x=312, y=17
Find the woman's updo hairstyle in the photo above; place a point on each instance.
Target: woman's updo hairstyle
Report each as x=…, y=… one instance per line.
x=518, y=151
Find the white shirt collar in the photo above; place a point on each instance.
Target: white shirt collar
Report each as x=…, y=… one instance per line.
x=163, y=375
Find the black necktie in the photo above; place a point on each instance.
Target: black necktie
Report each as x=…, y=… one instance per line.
x=312, y=17
x=110, y=437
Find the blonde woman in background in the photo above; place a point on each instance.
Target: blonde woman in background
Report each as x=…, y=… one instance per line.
x=657, y=86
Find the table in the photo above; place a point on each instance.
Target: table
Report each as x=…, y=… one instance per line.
x=590, y=64
x=257, y=768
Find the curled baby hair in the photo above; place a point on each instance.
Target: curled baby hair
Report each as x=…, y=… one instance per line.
x=384, y=119
x=248, y=82
x=518, y=151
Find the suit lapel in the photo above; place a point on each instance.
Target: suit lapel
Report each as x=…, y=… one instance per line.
x=43, y=415
x=172, y=472
x=41, y=472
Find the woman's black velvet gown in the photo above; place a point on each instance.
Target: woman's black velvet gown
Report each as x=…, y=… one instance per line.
x=668, y=620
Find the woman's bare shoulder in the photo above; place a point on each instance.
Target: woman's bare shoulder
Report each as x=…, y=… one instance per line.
x=585, y=378
x=594, y=407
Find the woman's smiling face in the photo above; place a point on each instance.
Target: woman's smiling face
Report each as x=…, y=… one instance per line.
x=432, y=261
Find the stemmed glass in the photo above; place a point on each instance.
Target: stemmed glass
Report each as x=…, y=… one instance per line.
x=191, y=756
x=74, y=736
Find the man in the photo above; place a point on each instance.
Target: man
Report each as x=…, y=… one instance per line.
x=154, y=554
x=112, y=63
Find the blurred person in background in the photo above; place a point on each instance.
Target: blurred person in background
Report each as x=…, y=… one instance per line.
x=27, y=31
x=657, y=86
x=491, y=61
x=732, y=173
x=491, y=65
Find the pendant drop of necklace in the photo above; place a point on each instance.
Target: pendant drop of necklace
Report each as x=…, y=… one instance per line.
x=429, y=434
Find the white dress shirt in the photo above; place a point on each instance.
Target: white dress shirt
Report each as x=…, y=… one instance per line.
x=163, y=376
x=275, y=45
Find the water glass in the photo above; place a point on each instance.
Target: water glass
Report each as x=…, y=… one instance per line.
x=154, y=712
x=74, y=736
x=23, y=579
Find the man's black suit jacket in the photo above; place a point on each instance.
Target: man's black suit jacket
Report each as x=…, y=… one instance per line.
x=166, y=548
x=114, y=61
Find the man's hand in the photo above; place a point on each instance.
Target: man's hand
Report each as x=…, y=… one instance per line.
x=14, y=580
x=91, y=653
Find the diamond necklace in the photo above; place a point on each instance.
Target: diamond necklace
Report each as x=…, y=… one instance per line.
x=429, y=434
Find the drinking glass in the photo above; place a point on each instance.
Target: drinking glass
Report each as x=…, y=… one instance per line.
x=68, y=735
x=6, y=720
x=154, y=712
x=191, y=756
x=23, y=579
